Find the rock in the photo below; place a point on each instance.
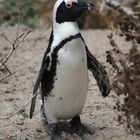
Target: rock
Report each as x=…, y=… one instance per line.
x=2, y=138
x=38, y=130
x=23, y=138
x=20, y=122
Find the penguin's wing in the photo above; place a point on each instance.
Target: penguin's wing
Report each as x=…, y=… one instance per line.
x=43, y=70
x=99, y=73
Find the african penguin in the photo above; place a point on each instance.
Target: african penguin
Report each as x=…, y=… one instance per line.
x=63, y=75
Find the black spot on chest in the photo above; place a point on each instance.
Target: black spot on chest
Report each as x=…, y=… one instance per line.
x=58, y=62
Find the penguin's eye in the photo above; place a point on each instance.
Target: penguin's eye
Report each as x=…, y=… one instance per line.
x=68, y=5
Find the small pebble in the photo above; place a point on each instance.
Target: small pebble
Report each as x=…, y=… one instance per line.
x=2, y=139
x=38, y=130
x=23, y=138
x=21, y=122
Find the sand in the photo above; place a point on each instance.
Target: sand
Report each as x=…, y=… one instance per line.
x=16, y=90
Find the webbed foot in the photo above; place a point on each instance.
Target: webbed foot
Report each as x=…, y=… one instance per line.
x=55, y=132
x=79, y=128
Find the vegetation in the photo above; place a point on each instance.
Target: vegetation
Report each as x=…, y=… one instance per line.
x=30, y=11
x=36, y=13
x=133, y=4
x=126, y=81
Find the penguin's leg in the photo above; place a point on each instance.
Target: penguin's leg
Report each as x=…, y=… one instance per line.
x=79, y=128
x=54, y=130
x=43, y=112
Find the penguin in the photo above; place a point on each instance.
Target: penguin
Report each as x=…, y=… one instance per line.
x=63, y=76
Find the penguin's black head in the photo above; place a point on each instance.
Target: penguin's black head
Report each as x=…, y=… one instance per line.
x=70, y=10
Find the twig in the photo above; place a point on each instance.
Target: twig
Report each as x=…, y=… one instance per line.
x=19, y=110
x=6, y=76
x=9, y=72
x=15, y=45
x=117, y=6
x=5, y=37
x=19, y=19
x=6, y=67
x=132, y=34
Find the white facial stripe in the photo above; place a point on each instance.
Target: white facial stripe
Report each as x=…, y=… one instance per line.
x=63, y=31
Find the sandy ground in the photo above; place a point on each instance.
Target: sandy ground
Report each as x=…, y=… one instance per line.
x=17, y=90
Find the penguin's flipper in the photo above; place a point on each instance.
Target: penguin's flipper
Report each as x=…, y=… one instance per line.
x=33, y=102
x=38, y=81
x=42, y=72
x=99, y=73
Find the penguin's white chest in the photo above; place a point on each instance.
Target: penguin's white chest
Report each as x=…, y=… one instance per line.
x=71, y=83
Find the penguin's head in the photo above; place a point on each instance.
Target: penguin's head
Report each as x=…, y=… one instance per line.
x=70, y=10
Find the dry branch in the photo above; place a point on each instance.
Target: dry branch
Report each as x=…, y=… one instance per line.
x=117, y=6
x=126, y=79
x=20, y=109
x=3, y=66
x=15, y=44
x=132, y=34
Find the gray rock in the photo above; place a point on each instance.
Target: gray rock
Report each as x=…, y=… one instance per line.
x=2, y=139
x=23, y=137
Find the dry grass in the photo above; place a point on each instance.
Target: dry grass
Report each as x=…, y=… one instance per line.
x=126, y=82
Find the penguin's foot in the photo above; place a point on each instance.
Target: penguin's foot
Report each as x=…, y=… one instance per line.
x=55, y=137
x=79, y=128
x=55, y=132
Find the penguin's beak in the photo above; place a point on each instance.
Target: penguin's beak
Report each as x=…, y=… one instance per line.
x=86, y=5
